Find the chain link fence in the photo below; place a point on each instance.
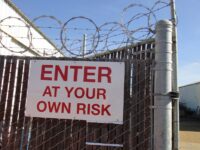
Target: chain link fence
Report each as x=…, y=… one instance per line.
x=20, y=132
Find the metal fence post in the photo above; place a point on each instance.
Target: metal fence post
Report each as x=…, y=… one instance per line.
x=163, y=86
x=175, y=88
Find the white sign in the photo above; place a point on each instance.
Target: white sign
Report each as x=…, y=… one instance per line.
x=81, y=90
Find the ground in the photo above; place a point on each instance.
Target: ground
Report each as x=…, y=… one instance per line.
x=190, y=134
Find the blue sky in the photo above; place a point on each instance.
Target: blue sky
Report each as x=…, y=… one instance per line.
x=102, y=11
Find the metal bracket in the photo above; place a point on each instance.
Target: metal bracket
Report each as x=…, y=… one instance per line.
x=174, y=95
x=160, y=107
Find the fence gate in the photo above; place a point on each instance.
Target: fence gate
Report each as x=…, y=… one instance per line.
x=20, y=132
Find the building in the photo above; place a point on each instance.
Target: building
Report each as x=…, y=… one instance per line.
x=20, y=37
x=190, y=96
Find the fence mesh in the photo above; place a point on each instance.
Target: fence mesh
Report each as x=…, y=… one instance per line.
x=20, y=132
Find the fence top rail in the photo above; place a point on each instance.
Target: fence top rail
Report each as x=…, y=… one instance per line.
x=76, y=59
x=148, y=41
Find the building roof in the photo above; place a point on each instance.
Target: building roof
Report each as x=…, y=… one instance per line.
x=194, y=83
x=17, y=10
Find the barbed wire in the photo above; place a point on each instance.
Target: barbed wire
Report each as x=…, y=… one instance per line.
x=17, y=21
x=69, y=40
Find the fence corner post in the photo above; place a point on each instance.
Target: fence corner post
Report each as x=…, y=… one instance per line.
x=162, y=138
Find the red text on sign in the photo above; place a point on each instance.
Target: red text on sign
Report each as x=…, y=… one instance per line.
x=51, y=91
x=93, y=109
x=89, y=93
x=77, y=73
x=53, y=107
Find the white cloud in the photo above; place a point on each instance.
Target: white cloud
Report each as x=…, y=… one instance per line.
x=189, y=73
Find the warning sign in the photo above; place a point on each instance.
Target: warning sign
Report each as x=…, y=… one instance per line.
x=81, y=90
